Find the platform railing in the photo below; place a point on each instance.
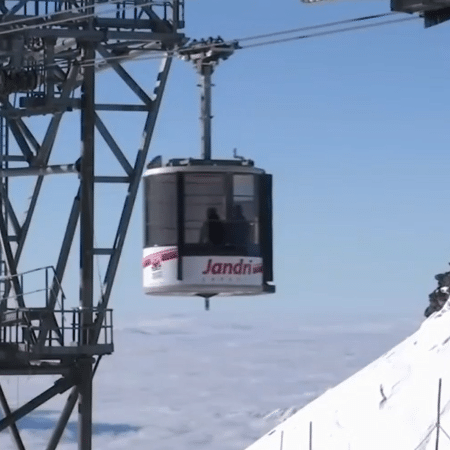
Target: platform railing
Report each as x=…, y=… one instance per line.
x=43, y=277
x=171, y=10
x=62, y=328
x=37, y=328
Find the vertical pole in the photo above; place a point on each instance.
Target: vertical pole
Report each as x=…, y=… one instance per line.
x=205, y=77
x=3, y=209
x=281, y=442
x=176, y=15
x=86, y=241
x=310, y=435
x=438, y=421
x=64, y=418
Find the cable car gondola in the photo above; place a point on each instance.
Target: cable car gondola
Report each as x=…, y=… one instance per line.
x=207, y=223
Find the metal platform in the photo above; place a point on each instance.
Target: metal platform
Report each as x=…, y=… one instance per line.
x=45, y=339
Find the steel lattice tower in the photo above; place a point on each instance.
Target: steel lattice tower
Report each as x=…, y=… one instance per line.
x=50, y=54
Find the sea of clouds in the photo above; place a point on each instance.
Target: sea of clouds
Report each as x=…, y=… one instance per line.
x=213, y=381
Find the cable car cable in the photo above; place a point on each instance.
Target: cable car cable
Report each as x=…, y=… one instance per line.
x=314, y=27
x=329, y=32
x=270, y=42
x=251, y=45
x=69, y=19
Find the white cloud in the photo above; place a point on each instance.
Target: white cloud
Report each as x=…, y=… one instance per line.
x=207, y=382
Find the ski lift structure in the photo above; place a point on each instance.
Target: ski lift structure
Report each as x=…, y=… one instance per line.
x=207, y=222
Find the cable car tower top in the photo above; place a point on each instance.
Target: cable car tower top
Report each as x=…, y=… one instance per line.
x=206, y=55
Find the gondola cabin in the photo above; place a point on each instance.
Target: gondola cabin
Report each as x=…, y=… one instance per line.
x=207, y=228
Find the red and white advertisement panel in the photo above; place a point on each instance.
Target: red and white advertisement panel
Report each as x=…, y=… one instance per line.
x=200, y=273
x=160, y=266
x=226, y=270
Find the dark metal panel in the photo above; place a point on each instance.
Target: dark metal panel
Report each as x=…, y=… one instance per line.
x=265, y=215
x=120, y=107
x=111, y=179
x=103, y=251
x=436, y=17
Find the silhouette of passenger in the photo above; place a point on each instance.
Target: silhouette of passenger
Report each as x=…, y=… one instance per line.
x=212, y=231
x=240, y=228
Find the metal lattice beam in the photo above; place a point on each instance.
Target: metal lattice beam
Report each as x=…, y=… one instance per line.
x=52, y=68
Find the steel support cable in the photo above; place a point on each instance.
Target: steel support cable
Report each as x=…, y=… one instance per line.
x=149, y=3
x=315, y=27
x=248, y=38
x=259, y=44
x=329, y=32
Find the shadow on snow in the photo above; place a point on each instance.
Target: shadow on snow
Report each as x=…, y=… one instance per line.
x=47, y=419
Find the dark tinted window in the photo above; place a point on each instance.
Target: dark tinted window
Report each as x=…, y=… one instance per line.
x=205, y=208
x=243, y=218
x=160, y=222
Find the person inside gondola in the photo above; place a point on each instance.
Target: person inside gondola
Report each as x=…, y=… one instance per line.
x=240, y=228
x=213, y=230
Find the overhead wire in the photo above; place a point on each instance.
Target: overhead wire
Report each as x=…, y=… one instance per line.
x=263, y=38
x=314, y=27
x=277, y=41
x=243, y=39
x=329, y=32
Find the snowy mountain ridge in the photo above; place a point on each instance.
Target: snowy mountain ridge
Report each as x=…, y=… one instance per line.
x=390, y=404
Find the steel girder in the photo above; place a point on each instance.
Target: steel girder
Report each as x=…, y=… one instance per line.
x=14, y=240
x=59, y=60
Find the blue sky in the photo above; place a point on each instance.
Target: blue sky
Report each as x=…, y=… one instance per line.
x=352, y=126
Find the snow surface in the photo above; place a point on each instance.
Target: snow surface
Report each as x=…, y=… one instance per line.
x=390, y=404
x=214, y=381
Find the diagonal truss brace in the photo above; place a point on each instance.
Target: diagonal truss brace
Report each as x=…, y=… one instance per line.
x=60, y=386
x=13, y=427
x=131, y=196
x=22, y=135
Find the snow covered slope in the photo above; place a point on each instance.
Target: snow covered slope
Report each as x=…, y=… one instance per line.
x=390, y=404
